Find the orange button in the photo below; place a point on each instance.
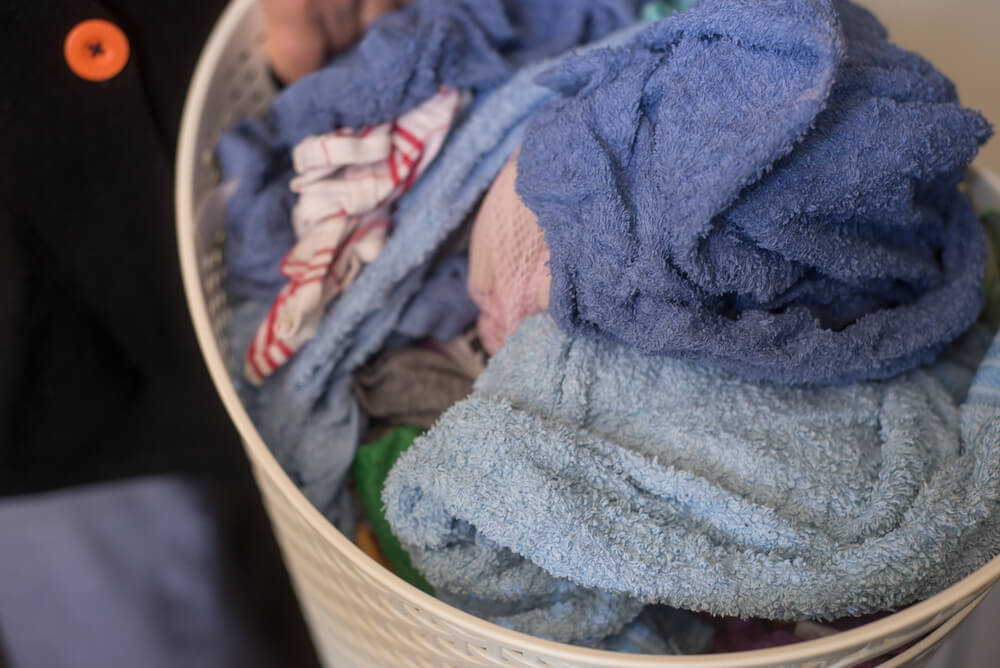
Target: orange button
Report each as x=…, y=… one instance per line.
x=96, y=50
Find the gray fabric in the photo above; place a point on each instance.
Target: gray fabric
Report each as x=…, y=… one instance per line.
x=410, y=386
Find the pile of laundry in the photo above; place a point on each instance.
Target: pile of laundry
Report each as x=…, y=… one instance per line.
x=646, y=322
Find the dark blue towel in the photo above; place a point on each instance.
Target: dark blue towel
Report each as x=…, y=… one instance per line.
x=404, y=58
x=770, y=187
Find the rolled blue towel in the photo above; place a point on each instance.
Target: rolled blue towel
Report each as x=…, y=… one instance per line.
x=403, y=59
x=583, y=478
x=770, y=187
x=305, y=411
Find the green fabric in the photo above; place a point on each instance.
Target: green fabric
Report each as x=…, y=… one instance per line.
x=659, y=9
x=991, y=283
x=372, y=464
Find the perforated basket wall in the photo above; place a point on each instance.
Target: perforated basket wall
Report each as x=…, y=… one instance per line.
x=358, y=613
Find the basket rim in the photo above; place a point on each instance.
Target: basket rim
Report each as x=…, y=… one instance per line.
x=266, y=465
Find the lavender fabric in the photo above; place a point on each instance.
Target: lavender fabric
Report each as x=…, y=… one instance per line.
x=473, y=45
x=770, y=187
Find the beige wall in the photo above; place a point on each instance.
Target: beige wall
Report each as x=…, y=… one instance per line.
x=962, y=38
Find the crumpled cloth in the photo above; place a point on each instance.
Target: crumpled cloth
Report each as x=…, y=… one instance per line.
x=466, y=353
x=583, y=478
x=372, y=463
x=348, y=182
x=769, y=187
x=403, y=59
x=410, y=386
x=443, y=309
x=508, y=262
x=306, y=412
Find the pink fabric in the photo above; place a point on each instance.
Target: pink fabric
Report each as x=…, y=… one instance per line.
x=347, y=183
x=508, y=273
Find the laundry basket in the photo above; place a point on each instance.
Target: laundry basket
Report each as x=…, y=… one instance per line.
x=360, y=614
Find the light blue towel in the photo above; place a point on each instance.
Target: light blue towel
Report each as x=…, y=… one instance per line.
x=583, y=478
x=305, y=411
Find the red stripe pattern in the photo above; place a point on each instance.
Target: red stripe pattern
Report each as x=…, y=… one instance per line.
x=348, y=182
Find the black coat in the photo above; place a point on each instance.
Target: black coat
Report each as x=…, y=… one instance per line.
x=100, y=374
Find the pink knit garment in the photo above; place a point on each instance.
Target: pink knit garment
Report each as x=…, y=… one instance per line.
x=508, y=276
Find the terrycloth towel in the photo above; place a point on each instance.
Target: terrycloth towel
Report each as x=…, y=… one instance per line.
x=348, y=182
x=472, y=45
x=305, y=411
x=766, y=186
x=583, y=478
x=350, y=172
x=954, y=367
x=508, y=262
x=469, y=45
x=658, y=630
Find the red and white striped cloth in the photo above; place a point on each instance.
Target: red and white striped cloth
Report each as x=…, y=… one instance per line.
x=347, y=182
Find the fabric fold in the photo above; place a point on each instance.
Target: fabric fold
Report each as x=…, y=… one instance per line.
x=348, y=183
x=402, y=61
x=580, y=466
x=508, y=262
x=769, y=187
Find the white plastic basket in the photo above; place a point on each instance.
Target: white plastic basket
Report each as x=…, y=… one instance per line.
x=360, y=614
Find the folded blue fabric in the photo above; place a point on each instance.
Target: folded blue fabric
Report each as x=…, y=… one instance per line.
x=403, y=59
x=305, y=411
x=583, y=478
x=770, y=187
